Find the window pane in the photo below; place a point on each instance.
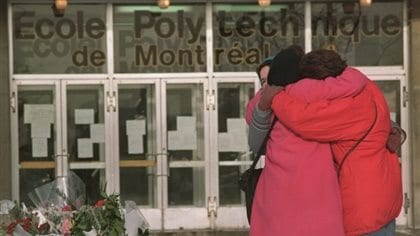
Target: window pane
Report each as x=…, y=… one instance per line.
x=85, y=127
x=232, y=138
x=45, y=44
x=36, y=120
x=185, y=117
x=137, y=138
x=37, y=132
x=244, y=34
x=391, y=91
x=367, y=36
x=149, y=40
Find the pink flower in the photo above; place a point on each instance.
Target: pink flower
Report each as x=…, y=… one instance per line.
x=66, y=226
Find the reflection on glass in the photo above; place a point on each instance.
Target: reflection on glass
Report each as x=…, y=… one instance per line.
x=232, y=100
x=137, y=135
x=391, y=91
x=186, y=185
x=94, y=183
x=85, y=123
x=149, y=40
x=36, y=130
x=36, y=119
x=368, y=36
x=245, y=34
x=45, y=44
x=31, y=179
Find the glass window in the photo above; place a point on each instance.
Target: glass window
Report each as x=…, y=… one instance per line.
x=391, y=91
x=232, y=138
x=36, y=135
x=86, y=135
x=137, y=137
x=151, y=40
x=46, y=44
x=185, y=135
x=244, y=34
x=364, y=36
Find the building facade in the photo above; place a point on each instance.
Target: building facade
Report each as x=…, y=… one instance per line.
x=150, y=102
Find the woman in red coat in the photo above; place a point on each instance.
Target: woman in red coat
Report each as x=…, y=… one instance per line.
x=370, y=176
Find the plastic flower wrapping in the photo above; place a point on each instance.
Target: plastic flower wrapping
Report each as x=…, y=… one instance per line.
x=60, y=210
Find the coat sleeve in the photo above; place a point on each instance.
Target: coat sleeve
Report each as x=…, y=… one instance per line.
x=326, y=120
x=349, y=83
x=259, y=123
x=250, y=107
x=258, y=129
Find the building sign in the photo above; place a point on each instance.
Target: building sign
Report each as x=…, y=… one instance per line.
x=245, y=34
x=74, y=43
x=148, y=39
x=367, y=36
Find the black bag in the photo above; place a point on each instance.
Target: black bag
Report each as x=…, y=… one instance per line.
x=248, y=180
x=248, y=183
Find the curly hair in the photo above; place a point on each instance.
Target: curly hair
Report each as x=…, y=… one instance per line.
x=321, y=63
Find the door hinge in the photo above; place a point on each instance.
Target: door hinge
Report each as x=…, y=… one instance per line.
x=407, y=203
x=212, y=206
x=13, y=102
x=114, y=100
x=210, y=100
x=405, y=96
x=111, y=101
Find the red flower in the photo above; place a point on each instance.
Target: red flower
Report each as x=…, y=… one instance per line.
x=100, y=203
x=67, y=208
x=11, y=227
x=44, y=227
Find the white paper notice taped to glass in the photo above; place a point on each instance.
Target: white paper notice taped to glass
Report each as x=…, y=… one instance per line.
x=38, y=113
x=135, y=130
x=185, y=137
x=39, y=147
x=84, y=148
x=84, y=116
x=41, y=130
x=97, y=133
x=235, y=139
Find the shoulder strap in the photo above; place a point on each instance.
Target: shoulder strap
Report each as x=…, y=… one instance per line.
x=262, y=148
x=357, y=143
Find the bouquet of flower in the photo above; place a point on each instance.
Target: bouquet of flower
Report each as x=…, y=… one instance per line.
x=60, y=210
x=105, y=217
x=25, y=220
x=56, y=200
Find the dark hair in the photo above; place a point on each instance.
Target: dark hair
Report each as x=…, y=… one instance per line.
x=284, y=69
x=321, y=63
x=267, y=62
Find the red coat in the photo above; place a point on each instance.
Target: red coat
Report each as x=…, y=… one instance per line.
x=370, y=179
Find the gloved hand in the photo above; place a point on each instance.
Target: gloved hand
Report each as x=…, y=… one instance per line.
x=395, y=139
x=267, y=94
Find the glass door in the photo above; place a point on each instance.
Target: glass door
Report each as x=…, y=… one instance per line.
x=393, y=90
x=85, y=118
x=185, y=138
x=36, y=135
x=137, y=128
x=231, y=155
x=60, y=125
x=161, y=128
